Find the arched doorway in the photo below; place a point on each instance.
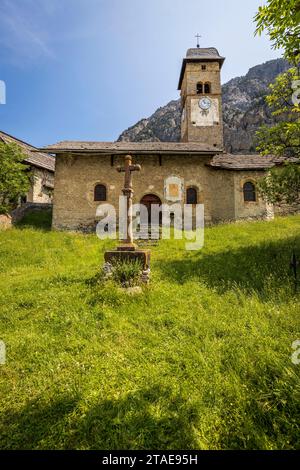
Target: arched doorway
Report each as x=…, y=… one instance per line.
x=148, y=200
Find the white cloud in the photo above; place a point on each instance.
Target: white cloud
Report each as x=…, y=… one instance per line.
x=23, y=35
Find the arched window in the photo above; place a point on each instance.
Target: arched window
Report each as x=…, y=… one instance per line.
x=249, y=192
x=191, y=196
x=100, y=192
x=207, y=88
x=199, y=88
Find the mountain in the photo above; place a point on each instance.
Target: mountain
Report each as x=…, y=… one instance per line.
x=244, y=111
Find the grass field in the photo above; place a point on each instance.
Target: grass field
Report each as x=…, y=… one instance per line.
x=200, y=360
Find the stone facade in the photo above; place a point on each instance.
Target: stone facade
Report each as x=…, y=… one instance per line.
x=41, y=190
x=5, y=221
x=190, y=131
x=221, y=192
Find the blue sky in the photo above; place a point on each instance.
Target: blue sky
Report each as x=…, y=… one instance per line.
x=88, y=69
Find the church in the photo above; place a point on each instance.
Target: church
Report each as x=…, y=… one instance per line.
x=86, y=172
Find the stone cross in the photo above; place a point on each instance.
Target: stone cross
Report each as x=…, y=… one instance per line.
x=128, y=192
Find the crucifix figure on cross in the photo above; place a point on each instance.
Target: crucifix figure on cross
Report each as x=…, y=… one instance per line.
x=128, y=193
x=198, y=37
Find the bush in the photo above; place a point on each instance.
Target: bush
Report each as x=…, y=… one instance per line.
x=37, y=219
x=14, y=179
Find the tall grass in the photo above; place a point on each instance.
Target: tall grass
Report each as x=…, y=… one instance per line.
x=201, y=359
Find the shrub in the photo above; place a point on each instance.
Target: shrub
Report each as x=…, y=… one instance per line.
x=37, y=219
x=14, y=179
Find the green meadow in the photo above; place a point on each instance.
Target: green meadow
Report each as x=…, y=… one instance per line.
x=201, y=359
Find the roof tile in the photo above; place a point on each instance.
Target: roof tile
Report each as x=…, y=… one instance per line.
x=39, y=159
x=131, y=147
x=228, y=161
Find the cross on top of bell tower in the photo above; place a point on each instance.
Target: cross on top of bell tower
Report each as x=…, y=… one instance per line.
x=198, y=38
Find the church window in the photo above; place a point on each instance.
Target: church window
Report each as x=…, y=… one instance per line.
x=249, y=192
x=203, y=67
x=191, y=196
x=207, y=88
x=100, y=192
x=199, y=88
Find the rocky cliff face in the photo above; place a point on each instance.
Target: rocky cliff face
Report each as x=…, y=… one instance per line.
x=244, y=111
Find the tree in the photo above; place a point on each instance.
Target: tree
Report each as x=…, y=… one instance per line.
x=283, y=139
x=282, y=184
x=14, y=179
x=281, y=20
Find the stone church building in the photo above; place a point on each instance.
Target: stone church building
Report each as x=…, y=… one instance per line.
x=86, y=172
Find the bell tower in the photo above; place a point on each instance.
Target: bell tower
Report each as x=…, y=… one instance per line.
x=201, y=97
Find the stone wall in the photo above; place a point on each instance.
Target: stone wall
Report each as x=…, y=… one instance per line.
x=249, y=209
x=21, y=211
x=285, y=209
x=41, y=190
x=222, y=188
x=76, y=177
x=5, y=221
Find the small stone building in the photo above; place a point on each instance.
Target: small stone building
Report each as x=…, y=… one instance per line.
x=86, y=173
x=42, y=167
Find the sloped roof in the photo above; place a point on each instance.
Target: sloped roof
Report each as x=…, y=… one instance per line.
x=220, y=160
x=33, y=156
x=132, y=148
x=228, y=161
x=203, y=53
x=200, y=54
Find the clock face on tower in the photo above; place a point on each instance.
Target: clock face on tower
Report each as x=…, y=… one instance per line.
x=205, y=111
x=205, y=104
